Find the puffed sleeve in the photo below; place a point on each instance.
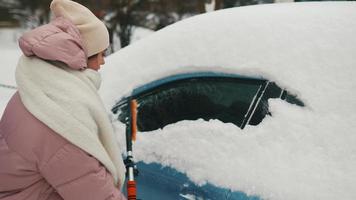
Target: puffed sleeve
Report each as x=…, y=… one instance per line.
x=78, y=176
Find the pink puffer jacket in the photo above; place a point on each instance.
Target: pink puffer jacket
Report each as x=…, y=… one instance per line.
x=35, y=162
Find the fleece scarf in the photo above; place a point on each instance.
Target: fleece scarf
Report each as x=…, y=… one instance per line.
x=67, y=101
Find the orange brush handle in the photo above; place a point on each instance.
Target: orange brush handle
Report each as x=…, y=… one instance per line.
x=131, y=190
x=133, y=108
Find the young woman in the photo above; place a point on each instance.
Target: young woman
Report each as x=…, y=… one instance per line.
x=56, y=140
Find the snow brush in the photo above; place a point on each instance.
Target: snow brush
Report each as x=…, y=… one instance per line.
x=131, y=129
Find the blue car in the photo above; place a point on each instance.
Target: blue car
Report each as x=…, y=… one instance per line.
x=253, y=102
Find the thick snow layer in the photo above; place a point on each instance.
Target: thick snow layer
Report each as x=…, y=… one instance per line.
x=278, y=159
x=299, y=153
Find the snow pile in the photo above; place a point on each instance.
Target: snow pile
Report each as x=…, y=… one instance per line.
x=299, y=153
x=278, y=159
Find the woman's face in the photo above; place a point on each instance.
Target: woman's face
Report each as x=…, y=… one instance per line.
x=95, y=61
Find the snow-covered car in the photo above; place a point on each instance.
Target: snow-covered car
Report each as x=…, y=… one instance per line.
x=227, y=97
x=253, y=102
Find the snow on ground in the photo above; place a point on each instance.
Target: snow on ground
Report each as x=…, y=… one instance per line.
x=299, y=153
x=9, y=53
x=139, y=33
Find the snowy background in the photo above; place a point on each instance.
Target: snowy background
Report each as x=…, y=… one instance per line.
x=299, y=153
x=9, y=53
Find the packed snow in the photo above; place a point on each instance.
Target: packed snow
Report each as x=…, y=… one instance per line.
x=298, y=153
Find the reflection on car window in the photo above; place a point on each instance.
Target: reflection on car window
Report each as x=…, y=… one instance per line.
x=237, y=100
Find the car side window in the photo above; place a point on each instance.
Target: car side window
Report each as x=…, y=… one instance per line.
x=237, y=100
x=225, y=100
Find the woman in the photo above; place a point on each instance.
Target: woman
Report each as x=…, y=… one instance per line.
x=56, y=140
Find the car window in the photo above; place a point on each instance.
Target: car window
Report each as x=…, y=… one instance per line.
x=225, y=100
x=237, y=100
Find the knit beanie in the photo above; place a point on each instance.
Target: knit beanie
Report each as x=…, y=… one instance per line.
x=93, y=31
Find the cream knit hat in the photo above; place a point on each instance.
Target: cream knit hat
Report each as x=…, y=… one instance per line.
x=94, y=32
